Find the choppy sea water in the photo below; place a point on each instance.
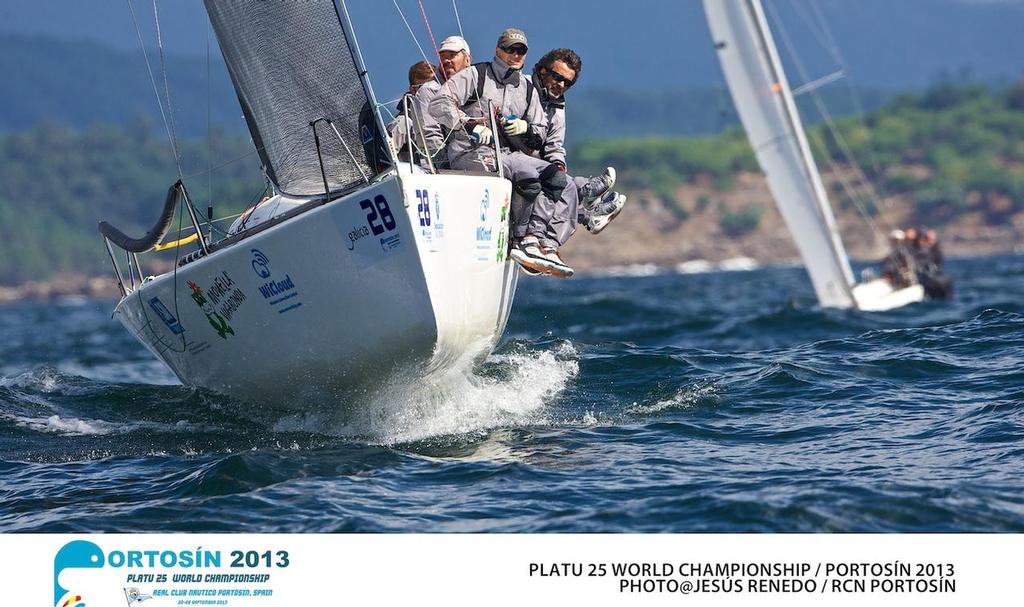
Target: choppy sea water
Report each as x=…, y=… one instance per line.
x=723, y=401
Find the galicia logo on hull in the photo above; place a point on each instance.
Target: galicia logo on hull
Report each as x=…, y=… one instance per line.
x=355, y=234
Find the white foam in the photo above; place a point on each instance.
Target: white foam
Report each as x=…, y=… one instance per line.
x=455, y=400
x=79, y=426
x=738, y=264
x=633, y=270
x=685, y=398
x=696, y=266
x=59, y=425
x=43, y=379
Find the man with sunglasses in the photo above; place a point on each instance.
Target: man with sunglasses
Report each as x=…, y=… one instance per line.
x=465, y=104
x=587, y=200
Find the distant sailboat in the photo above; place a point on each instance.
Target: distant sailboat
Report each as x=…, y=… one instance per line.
x=766, y=108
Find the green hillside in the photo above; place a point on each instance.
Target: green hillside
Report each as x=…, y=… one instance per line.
x=58, y=183
x=953, y=150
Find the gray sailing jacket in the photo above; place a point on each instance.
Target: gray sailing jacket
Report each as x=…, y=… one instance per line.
x=431, y=129
x=456, y=103
x=554, y=137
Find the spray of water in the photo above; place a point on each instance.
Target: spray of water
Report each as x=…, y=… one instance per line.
x=461, y=397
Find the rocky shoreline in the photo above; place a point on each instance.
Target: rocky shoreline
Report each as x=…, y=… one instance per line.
x=650, y=235
x=102, y=287
x=93, y=287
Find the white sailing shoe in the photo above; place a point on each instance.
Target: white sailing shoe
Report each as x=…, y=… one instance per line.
x=536, y=258
x=597, y=186
x=604, y=211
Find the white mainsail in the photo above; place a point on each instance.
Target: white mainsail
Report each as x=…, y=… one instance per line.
x=765, y=105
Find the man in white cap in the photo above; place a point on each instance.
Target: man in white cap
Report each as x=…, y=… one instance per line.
x=465, y=105
x=454, y=56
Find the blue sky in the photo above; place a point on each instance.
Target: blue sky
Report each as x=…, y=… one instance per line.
x=636, y=44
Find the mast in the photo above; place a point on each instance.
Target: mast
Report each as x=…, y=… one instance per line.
x=797, y=128
x=766, y=108
x=346, y=25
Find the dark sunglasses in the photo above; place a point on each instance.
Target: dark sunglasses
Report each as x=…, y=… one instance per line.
x=559, y=78
x=516, y=49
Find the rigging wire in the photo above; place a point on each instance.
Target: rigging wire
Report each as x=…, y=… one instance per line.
x=409, y=27
x=457, y=19
x=437, y=72
x=840, y=141
x=209, y=131
x=167, y=90
x=822, y=25
x=152, y=80
x=430, y=32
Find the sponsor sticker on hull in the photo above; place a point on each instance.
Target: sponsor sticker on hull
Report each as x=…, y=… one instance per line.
x=219, y=302
x=375, y=232
x=484, y=230
x=278, y=291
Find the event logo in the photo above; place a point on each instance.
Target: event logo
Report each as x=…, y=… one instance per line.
x=79, y=554
x=485, y=204
x=133, y=595
x=483, y=231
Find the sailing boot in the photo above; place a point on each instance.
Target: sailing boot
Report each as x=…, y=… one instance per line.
x=604, y=211
x=596, y=186
x=535, y=257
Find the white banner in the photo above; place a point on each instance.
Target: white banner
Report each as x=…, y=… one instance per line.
x=161, y=570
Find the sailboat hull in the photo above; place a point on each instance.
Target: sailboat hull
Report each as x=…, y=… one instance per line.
x=408, y=274
x=878, y=295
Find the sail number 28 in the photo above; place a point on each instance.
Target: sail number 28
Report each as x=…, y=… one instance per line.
x=423, y=207
x=379, y=217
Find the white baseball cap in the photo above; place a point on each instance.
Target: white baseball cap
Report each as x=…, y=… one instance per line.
x=454, y=44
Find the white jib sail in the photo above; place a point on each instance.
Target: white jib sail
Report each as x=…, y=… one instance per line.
x=765, y=105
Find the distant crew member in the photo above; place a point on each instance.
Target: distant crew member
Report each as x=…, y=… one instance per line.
x=898, y=267
x=928, y=261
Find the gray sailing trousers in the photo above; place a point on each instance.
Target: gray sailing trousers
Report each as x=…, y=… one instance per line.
x=554, y=223
x=518, y=167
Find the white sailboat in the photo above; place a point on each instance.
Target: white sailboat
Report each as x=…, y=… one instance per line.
x=764, y=101
x=361, y=273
